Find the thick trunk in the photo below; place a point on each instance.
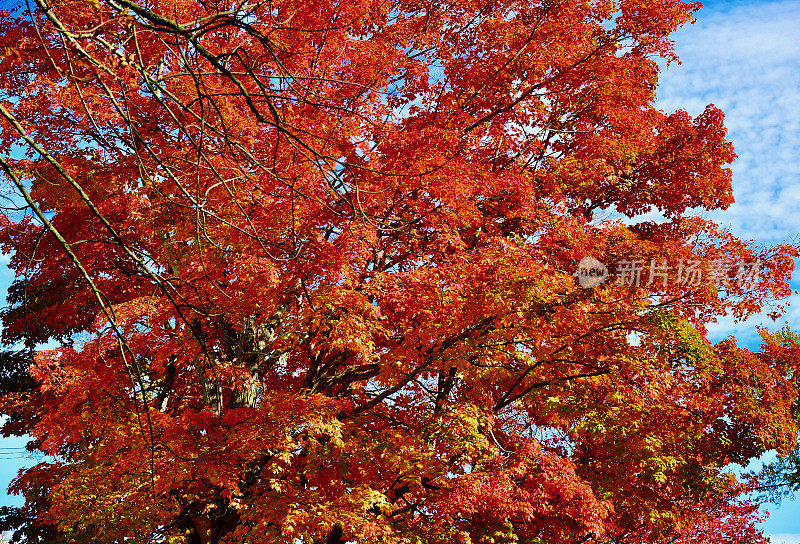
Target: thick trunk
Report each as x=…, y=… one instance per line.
x=335, y=536
x=253, y=347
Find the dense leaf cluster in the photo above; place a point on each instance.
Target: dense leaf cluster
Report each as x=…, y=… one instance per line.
x=307, y=271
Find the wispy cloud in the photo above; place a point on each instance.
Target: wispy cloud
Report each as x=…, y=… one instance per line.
x=745, y=61
x=785, y=538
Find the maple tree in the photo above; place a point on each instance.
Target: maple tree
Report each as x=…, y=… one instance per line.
x=305, y=272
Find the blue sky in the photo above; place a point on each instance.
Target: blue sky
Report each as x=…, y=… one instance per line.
x=744, y=57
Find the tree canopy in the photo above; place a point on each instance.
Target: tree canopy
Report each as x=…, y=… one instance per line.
x=305, y=272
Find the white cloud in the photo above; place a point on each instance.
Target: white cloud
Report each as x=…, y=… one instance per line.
x=785, y=538
x=744, y=60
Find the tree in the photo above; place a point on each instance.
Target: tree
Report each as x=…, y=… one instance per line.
x=781, y=477
x=309, y=272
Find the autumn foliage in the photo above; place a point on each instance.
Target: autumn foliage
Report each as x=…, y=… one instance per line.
x=305, y=272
